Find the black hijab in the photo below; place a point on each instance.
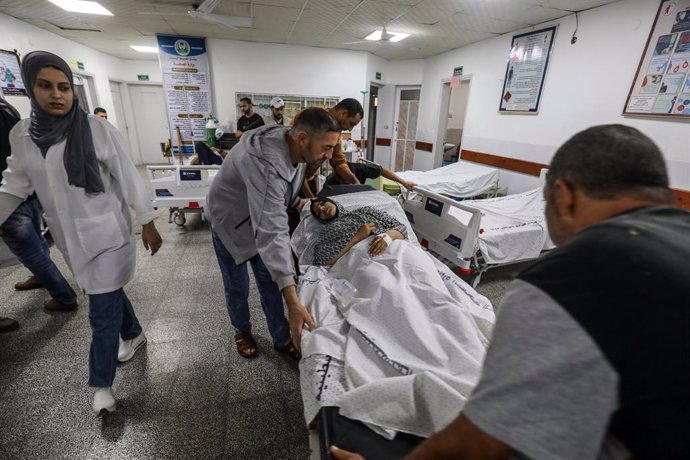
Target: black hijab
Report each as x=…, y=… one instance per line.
x=47, y=130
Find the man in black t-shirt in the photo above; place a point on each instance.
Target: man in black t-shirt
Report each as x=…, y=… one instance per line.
x=249, y=119
x=588, y=358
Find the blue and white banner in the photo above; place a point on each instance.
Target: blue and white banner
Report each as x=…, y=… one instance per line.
x=184, y=65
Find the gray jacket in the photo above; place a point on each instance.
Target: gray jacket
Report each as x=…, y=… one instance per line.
x=248, y=199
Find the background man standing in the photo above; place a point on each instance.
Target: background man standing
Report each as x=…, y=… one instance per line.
x=276, y=117
x=249, y=119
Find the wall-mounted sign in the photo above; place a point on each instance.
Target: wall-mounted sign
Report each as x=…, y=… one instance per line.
x=143, y=77
x=184, y=64
x=378, y=75
x=10, y=74
x=526, y=70
x=662, y=83
x=457, y=71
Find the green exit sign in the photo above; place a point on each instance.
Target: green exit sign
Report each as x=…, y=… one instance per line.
x=143, y=77
x=378, y=75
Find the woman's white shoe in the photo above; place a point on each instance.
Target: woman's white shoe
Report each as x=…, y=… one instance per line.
x=103, y=399
x=129, y=347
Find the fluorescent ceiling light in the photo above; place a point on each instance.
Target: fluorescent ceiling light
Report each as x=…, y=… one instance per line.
x=396, y=36
x=375, y=35
x=144, y=49
x=82, y=6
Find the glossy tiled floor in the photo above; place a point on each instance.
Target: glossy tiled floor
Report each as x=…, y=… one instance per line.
x=187, y=394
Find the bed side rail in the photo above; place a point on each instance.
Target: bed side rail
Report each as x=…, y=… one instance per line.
x=444, y=234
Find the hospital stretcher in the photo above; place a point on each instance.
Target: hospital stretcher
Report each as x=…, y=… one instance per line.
x=460, y=180
x=325, y=379
x=182, y=189
x=475, y=235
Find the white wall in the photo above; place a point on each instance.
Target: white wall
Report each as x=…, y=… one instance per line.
x=587, y=84
x=25, y=37
x=270, y=68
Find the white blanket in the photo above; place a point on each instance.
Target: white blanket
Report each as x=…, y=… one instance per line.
x=399, y=343
x=513, y=227
x=461, y=179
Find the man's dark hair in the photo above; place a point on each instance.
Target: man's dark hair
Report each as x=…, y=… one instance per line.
x=611, y=160
x=316, y=121
x=98, y=110
x=247, y=100
x=352, y=106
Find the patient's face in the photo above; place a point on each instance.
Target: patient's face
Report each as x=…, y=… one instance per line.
x=324, y=210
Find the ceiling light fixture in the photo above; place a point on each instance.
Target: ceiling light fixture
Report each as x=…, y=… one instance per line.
x=82, y=6
x=391, y=36
x=144, y=49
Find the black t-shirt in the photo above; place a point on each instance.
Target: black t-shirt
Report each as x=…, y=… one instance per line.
x=246, y=123
x=626, y=282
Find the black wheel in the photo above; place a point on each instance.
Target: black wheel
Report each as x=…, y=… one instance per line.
x=179, y=220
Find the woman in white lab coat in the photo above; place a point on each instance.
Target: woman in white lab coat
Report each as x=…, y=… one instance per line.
x=80, y=169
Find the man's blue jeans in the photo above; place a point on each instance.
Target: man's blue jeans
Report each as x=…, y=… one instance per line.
x=21, y=232
x=236, y=284
x=111, y=316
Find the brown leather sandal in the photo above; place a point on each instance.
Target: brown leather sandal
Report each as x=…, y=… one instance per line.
x=290, y=350
x=246, y=345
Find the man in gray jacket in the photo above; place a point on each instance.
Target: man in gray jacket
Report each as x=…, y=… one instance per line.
x=247, y=209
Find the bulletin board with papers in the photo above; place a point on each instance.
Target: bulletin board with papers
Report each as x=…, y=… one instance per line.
x=662, y=84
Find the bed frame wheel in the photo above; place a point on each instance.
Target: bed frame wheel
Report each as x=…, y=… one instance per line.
x=179, y=219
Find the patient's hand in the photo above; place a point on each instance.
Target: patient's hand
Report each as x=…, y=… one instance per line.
x=378, y=246
x=364, y=232
x=380, y=243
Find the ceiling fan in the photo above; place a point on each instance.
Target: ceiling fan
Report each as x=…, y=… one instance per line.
x=204, y=11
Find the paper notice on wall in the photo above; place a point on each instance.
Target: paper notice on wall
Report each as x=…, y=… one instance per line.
x=526, y=71
x=185, y=69
x=659, y=87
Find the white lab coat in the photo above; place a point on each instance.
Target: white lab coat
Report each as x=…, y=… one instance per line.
x=93, y=232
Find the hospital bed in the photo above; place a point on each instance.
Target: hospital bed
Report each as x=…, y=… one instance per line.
x=475, y=235
x=183, y=189
x=459, y=180
x=393, y=366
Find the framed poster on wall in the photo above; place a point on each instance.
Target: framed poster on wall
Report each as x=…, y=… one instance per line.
x=662, y=83
x=525, y=72
x=10, y=74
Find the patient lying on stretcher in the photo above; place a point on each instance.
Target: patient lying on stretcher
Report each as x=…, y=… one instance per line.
x=344, y=229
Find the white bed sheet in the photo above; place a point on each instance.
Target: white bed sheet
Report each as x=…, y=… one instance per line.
x=461, y=179
x=399, y=341
x=513, y=227
x=415, y=381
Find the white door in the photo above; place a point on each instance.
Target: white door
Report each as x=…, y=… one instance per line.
x=405, y=131
x=120, y=121
x=150, y=120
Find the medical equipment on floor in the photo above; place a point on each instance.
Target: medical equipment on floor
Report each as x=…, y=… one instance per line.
x=380, y=354
x=475, y=235
x=183, y=189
